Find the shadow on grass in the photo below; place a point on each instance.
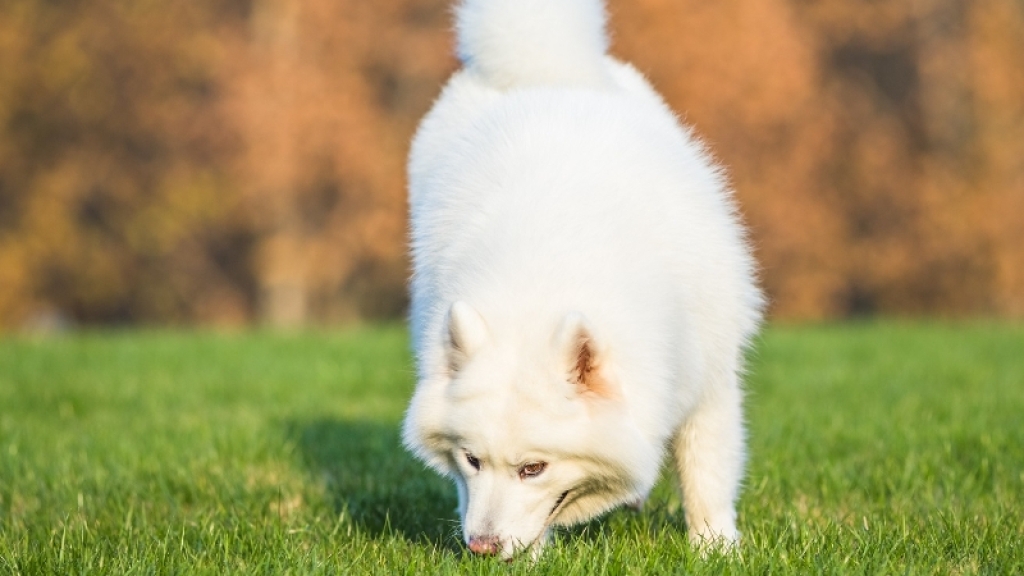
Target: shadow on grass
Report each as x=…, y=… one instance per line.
x=380, y=486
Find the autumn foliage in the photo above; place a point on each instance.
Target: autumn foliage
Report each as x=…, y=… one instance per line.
x=232, y=161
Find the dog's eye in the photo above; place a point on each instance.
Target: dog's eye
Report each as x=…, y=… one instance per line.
x=473, y=461
x=532, y=469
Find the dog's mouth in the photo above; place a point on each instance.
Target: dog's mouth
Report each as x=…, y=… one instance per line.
x=562, y=501
x=559, y=504
x=554, y=508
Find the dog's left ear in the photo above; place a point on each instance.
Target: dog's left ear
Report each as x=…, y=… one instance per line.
x=583, y=355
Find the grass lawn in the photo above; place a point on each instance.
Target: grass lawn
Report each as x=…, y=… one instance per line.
x=875, y=448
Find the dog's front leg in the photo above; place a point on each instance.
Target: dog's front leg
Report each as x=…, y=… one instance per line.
x=710, y=454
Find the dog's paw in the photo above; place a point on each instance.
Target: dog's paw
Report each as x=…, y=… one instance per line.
x=709, y=540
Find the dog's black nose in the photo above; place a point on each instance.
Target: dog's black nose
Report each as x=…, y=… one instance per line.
x=485, y=545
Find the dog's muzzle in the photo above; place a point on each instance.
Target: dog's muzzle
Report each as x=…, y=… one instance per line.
x=485, y=545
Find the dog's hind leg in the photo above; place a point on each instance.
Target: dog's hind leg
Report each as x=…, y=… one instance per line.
x=710, y=454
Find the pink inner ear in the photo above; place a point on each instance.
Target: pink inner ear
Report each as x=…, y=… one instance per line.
x=586, y=373
x=584, y=362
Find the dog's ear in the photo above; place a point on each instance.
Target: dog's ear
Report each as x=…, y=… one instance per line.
x=466, y=333
x=583, y=355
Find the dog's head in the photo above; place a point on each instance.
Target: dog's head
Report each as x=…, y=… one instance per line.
x=534, y=433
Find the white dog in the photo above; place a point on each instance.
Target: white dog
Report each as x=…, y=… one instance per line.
x=582, y=289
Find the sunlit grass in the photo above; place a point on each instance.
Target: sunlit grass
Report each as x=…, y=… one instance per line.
x=877, y=448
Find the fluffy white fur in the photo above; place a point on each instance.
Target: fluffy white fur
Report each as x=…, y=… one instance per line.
x=511, y=43
x=582, y=289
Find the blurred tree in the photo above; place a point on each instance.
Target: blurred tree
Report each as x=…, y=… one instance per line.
x=328, y=95
x=114, y=203
x=234, y=161
x=853, y=132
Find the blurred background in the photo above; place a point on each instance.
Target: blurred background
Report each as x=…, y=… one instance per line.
x=237, y=162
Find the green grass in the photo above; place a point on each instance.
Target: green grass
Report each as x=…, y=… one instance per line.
x=875, y=448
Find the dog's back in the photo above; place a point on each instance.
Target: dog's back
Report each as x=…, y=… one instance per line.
x=549, y=177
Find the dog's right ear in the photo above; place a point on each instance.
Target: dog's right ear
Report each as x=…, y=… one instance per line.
x=466, y=333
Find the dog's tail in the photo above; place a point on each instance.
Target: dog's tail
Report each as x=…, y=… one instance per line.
x=511, y=43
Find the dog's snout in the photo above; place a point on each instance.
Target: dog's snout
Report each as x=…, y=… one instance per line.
x=485, y=545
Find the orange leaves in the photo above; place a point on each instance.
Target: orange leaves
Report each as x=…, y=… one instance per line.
x=233, y=161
